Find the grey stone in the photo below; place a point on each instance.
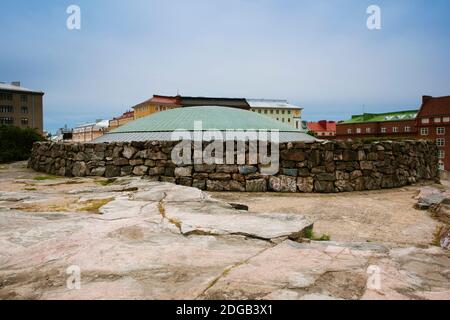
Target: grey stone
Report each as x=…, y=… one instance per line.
x=128, y=152
x=283, y=184
x=305, y=184
x=183, y=172
x=140, y=170
x=257, y=185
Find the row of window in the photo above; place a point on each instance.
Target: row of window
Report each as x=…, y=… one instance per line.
x=439, y=131
x=436, y=120
x=326, y=133
x=6, y=97
x=9, y=97
x=10, y=109
x=10, y=120
x=272, y=111
x=383, y=130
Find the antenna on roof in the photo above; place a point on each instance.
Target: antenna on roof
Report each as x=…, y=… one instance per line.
x=178, y=92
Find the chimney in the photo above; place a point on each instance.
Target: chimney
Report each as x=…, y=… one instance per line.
x=425, y=99
x=16, y=83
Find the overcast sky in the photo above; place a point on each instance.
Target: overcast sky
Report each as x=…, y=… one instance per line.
x=317, y=54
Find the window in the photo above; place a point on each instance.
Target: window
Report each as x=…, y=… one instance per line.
x=259, y=111
x=6, y=120
x=6, y=97
x=395, y=129
x=425, y=120
x=282, y=119
x=349, y=131
x=289, y=111
x=440, y=130
x=424, y=131
x=23, y=98
x=278, y=119
x=437, y=120
x=440, y=142
x=278, y=111
x=441, y=166
x=446, y=119
x=283, y=112
x=24, y=121
x=6, y=109
x=24, y=110
x=265, y=111
x=407, y=129
x=441, y=154
x=383, y=130
x=271, y=111
x=358, y=130
x=367, y=130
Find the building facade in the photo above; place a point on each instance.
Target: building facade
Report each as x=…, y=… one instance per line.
x=280, y=110
x=400, y=124
x=433, y=123
x=156, y=104
x=430, y=122
x=323, y=129
x=21, y=107
x=90, y=131
x=120, y=121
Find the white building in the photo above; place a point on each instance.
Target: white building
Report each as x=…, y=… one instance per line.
x=90, y=131
x=280, y=110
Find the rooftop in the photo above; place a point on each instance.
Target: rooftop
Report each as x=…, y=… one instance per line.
x=322, y=126
x=434, y=106
x=15, y=86
x=382, y=117
x=272, y=104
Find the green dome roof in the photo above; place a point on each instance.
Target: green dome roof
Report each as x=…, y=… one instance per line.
x=161, y=126
x=218, y=118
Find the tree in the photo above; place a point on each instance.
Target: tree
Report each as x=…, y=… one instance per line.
x=16, y=143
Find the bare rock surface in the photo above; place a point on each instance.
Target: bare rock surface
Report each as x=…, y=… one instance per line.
x=131, y=238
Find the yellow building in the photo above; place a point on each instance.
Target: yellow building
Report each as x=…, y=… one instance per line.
x=280, y=110
x=156, y=104
x=120, y=121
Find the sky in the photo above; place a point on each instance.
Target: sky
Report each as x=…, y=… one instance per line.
x=318, y=54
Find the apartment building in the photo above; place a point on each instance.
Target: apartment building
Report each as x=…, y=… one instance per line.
x=120, y=121
x=280, y=110
x=90, y=131
x=323, y=129
x=21, y=107
x=433, y=123
x=400, y=124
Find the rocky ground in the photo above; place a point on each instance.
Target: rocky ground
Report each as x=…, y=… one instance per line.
x=135, y=239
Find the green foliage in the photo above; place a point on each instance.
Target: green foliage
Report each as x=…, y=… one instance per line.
x=16, y=143
x=312, y=133
x=309, y=234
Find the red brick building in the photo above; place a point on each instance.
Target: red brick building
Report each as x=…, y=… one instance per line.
x=431, y=122
x=323, y=129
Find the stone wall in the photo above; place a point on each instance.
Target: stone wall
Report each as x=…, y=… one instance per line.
x=332, y=166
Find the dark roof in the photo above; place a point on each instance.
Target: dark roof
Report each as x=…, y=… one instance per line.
x=212, y=101
x=434, y=106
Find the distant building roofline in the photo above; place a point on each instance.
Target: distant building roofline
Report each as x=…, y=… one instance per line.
x=16, y=87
